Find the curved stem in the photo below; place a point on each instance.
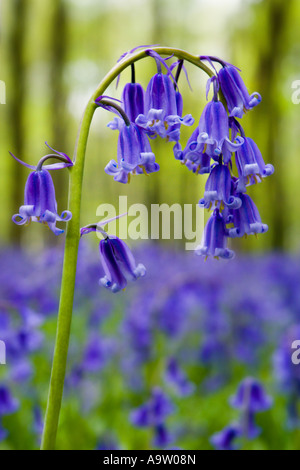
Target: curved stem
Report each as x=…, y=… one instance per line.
x=51, y=156
x=73, y=237
x=109, y=103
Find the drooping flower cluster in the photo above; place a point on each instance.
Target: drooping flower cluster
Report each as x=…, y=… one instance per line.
x=215, y=145
x=218, y=146
x=210, y=150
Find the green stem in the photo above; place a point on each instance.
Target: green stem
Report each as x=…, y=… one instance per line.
x=72, y=242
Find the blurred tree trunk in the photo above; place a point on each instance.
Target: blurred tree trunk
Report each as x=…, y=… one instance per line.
x=58, y=51
x=15, y=101
x=270, y=60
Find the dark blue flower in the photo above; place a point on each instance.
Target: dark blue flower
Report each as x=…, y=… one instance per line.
x=250, y=164
x=213, y=133
x=154, y=412
x=40, y=204
x=162, y=437
x=39, y=199
x=116, y=258
x=192, y=155
x=251, y=396
x=3, y=433
x=97, y=352
x=235, y=92
x=248, y=426
x=214, y=242
x=118, y=264
x=225, y=440
x=177, y=378
x=246, y=219
x=8, y=404
x=163, y=109
x=133, y=100
x=134, y=153
x=218, y=189
x=21, y=371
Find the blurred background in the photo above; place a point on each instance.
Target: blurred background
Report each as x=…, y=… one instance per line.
x=53, y=55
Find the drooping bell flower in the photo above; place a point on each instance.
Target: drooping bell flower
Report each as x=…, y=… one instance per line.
x=235, y=92
x=250, y=164
x=250, y=399
x=3, y=433
x=214, y=242
x=213, y=132
x=8, y=404
x=117, y=261
x=134, y=154
x=154, y=412
x=193, y=156
x=218, y=189
x=246, y=219
x=162, y=437
x=251, y=396
x=163, y=109
x=175, y=376
x=225, y=439
x=39, y=198
x=133, y=100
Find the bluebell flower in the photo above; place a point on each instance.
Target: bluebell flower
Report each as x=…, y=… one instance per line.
x=235, y=92
x=40, y=204
x=246, y=219
x=213, y=133
x=251, y=396
x=134, y=153
x=75, y=377
x=162, y=437
x=219, y=190
x=118, y=264
x=225, y=439
x=248, y=425
x=193, y=155
x=21, y=371
x=97, y=352
x=133, y=100
x=250, y=399
x=214, y=242
x=26, y=340
x=250, y=164
x=163, y=109
x=3, y=433
x=39, y=199
x=8, y=404
x=117, y=261
x=154, y=412
x=175, y=376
